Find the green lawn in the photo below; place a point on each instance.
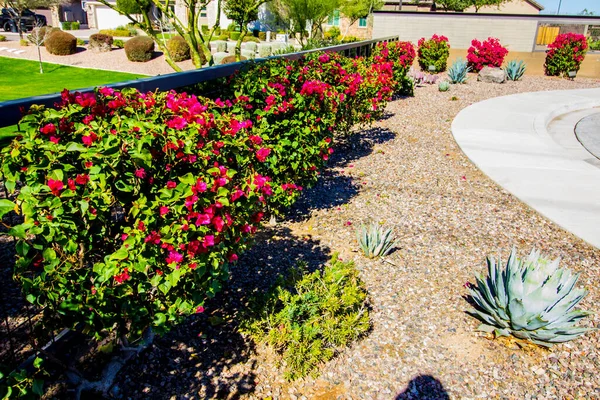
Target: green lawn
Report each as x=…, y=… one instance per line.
x=22, y=78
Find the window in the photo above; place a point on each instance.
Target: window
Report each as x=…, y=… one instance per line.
x=362, y=23
x=203, y=12
x=334, y=19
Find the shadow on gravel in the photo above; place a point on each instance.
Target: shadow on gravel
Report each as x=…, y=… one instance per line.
x=206, y=357
x=424, y=387
x=334, y=189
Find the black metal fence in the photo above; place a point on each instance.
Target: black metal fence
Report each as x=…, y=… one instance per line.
x=18, y=339
x=11, y=111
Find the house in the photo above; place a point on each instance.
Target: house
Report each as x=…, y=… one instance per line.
x=361, y=29
x=510, y=7
x=100, y=16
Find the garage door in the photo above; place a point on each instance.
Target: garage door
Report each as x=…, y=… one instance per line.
x=109, y=19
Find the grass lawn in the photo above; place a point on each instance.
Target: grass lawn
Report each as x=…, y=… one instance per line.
x=22, y=78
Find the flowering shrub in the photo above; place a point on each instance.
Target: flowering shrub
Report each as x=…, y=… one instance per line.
x=565, y=54
x=136, y=204
x=402, y=55
x=434, y=51
x=489, y=52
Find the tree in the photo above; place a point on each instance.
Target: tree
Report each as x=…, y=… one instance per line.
x=357, y=9
x=586, y=12
x=38, y=37
x=242, y=12
x=187, y=28
x=19, y=6
x=461, y=5
x=306, y=13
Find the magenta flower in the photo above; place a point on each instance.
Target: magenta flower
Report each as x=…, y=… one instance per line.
x=140, y=173
x=174, y=257
x=163, y=210
x=262, y=154
x=171, y=185
x=55, y=186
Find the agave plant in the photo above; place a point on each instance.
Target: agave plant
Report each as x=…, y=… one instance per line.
x=515, y=70
x=457, y=73
x=443, y=86
x=532, y=299
x=374, y=240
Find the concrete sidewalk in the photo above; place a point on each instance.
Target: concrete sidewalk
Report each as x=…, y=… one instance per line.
x=526, y=143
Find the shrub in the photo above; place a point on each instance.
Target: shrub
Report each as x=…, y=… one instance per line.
x=139, y=48
x=234, y=35
x=133, y=6
x=233, y=27
x=75, y=25
x=249, y=38
x=458, y=71
x=402, y=54
x=375, y=241
x=515, y=70
x=434, y=51
x=116, y=32
x=46, y=31
x=23, y=42
x=205, y=29
x=231, y=59
x=118, y=43
x=178, y=48
x=2, y=38
x=565, y=54
x=136, y=204
x=61, y=44
x=66, y=25
x=101, y=42
x=333, y=33
x=532, y=299
x=80, y=42
x=262, y=36
x=308, y=318
x=489, y=52
x=350, y=39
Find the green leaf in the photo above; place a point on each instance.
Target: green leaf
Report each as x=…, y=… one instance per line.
x=188, y=179
x=120, y=254
x=6, y=206
x=19, y=231
x=38, y=362
x=76, y=147
x=159, y=319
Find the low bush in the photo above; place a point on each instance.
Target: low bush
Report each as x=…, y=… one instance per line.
x=23, y=42
x=262, y=36
x=234, y=35
x=433, y=52
x=489, y=52
x=61, y=44
x=81, y=42
x=231, y=59
x=249, y=38
x=116, y=32
x=178, y=48
x=307, y=318
x=66, y=25
x=118, y=43
x=565, y=54
x=350, y=39
x=2, y=38
x=46, y=31
x=139, y=49
x=101, y=42
x=205, y=29
x=333, y=33
x=75, y=25
x=402, y=54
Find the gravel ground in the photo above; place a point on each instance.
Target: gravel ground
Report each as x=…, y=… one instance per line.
x=407, y=172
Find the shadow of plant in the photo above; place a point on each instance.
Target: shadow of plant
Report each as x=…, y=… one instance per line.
x=333, y=188
x=205, y=357
x=424, y=387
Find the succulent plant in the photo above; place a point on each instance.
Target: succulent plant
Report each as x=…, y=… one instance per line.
x=515, y=70
x=420, y=77
x=374, y=240
x=532, y=299
x=443, y=86
x=457, y=73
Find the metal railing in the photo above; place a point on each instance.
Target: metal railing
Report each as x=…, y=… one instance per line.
x=11, y=111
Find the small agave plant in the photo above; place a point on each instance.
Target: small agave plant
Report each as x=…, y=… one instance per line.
x=443, y=86
x=532, y=299
x=375, y=241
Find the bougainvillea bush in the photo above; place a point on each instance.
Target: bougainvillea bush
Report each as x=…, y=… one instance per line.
x=565, y=54
x=487, y=53
x=136, y=204
x=401, y=54
x=434, y=51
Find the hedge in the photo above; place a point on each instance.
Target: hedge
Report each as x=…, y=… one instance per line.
x=137, y=204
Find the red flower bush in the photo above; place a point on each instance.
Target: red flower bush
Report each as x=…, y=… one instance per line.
x=489, y=52
x=136, y=204
x=402, y=55
x=565, y=54
x=434, y=51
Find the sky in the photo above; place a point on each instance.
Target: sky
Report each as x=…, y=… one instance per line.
x=570, y=6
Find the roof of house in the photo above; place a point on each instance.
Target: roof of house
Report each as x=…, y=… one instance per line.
x=391, y=2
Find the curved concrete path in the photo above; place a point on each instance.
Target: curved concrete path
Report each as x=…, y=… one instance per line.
x=588, y=133
x=526, y=143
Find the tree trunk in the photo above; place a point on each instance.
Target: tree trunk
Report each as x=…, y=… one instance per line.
x=40, y=58
x=238, y=45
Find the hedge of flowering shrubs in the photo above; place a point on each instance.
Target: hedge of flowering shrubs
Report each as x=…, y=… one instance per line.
x=434, y=51
x=565, y=54
x=136, y=204
x=487, y=53
x=402, y=54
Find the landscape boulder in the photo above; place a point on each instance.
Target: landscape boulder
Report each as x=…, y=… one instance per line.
x=491, y=75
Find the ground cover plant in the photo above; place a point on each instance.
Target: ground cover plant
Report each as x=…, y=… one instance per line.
x=136, y=204
x=487, y=53
x=565, y=54
x=433, y=52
